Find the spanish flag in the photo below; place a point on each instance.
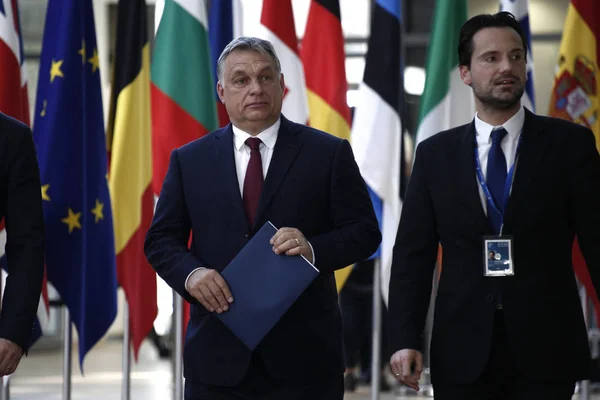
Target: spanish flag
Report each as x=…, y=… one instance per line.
x=575, y=96
x=323, y=57
x=130, y=176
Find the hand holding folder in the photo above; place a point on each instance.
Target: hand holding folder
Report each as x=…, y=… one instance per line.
x=264, y=286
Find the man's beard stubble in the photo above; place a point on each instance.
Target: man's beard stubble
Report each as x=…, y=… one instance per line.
x=489, y=100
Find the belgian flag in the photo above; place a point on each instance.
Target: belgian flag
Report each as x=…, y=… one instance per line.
x=130, y=176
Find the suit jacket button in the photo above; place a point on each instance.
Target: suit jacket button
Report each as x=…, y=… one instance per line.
x=246, y=235
x=490, y=298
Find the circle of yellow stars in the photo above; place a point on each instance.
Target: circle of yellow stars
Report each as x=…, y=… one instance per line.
x=73, y=219
x=57, y=72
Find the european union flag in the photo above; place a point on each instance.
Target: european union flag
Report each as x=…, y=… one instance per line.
x=71, y=147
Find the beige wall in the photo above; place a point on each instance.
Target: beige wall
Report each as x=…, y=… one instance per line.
x=546, y=17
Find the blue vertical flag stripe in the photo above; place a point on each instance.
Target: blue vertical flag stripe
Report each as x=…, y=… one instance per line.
x=71, y=148
x=392, y=6
x=220, y=29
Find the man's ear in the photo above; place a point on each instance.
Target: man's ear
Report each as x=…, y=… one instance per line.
x=465, y=74
x=221, y=92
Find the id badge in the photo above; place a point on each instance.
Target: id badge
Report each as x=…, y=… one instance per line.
x=498, y=256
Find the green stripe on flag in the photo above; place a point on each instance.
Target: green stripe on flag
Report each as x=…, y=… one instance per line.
x=442, y=56
x=181, y=46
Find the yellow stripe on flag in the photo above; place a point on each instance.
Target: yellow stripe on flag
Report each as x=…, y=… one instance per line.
x=574, y=96
x=131, y=160
x=326, y=118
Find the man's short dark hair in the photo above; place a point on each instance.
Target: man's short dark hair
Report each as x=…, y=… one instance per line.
x=478, y=22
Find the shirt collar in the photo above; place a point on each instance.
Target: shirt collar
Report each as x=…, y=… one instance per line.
x=513, y=126
x=268, y=136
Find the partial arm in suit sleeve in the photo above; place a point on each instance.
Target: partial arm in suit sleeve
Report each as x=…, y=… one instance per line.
x=413, y=262
x=585, y=203
x=25, y=239
x=355, y=234
x=166, y=244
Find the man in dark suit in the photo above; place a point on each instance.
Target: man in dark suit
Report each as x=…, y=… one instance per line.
x=214, y=187
x=21, y=208
x=519, y=335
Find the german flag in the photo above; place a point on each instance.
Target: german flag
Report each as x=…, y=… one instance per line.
x=130, y=176
x=324, y=59
x=576, y=93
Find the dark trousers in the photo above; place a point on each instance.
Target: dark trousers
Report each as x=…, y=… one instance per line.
x=501, y=380
x=257, y=385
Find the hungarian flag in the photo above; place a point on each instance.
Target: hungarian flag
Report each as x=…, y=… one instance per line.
x=575, y=96
x=130, y=177
x=324, y=60
x=277, y=26
x=446, y=102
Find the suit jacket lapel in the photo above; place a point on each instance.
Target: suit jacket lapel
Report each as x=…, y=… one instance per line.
x=531, y=152
x=224, y=158
x=467, y=183
x=286, y=149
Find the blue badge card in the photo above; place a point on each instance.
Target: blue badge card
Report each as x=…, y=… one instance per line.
x=498, y=256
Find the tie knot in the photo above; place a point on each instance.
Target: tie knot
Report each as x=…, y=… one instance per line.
x=498, y=134
x=253, y=143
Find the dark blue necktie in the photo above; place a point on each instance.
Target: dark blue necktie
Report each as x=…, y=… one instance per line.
x=496, y=178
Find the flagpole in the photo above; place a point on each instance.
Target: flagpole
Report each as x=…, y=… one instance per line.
x=67, y=351
x=126, y=387
x=178, y=353
x=584, y=386
x=5, y=395
x=376, y=330
x=5, y=380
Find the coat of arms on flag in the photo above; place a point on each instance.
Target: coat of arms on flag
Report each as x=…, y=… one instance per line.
x=574, y=95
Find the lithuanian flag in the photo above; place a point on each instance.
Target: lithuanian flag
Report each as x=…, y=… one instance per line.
x=575, y=96
x=130, y=176
x=323, y=57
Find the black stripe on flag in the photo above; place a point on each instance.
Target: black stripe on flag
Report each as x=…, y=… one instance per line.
x=383, y=71
x=332, y=5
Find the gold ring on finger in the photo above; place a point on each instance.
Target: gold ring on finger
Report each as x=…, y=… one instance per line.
x=297, y=241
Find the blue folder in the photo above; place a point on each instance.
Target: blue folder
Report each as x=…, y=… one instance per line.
x=264, y=285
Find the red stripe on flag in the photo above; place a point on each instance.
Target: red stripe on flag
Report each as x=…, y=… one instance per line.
x=324, y=58
x=137, y=277
x=278, y=16
x=222, y=113
x=10, y=85
x=172, y=127
x=583, y=275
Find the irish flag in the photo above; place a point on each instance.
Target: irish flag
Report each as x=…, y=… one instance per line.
x=446, y=102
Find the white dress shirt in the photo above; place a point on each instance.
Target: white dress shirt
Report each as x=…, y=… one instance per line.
x=483, y=132
x=241, y=154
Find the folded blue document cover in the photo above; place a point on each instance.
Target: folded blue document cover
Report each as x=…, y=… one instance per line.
x=264, y=285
